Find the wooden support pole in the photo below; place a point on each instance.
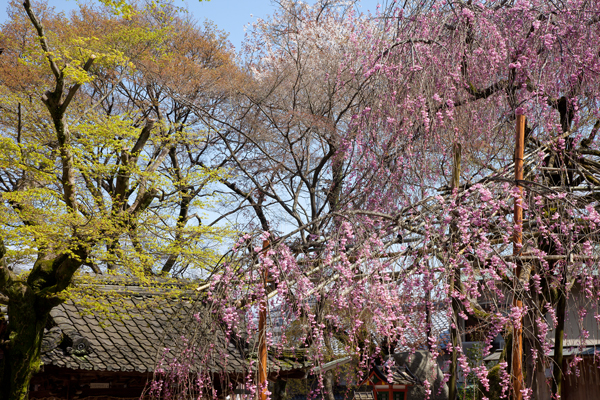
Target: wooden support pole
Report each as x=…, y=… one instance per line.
x=262, y=340
x=517, y=348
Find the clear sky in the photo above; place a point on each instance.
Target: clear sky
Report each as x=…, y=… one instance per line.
x=229, y=15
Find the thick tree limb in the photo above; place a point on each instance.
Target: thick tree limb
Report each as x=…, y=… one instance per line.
x=6, y=275
x=128, y=160
x=76, y=86
x=42, y=38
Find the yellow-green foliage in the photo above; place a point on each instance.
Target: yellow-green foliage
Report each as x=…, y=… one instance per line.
x=97, y=160
x=134, y=58
x=118, y=305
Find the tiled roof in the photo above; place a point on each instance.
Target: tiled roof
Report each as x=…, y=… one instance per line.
x=135, y=326
x=401, y=375
x=130, y=335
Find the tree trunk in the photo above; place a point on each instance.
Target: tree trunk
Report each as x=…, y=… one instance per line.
x=279, y=389
x=558, y=341
x=328, y=383
x=29, y=305
x=455, y=280
x=535, y=369
x=27, y=317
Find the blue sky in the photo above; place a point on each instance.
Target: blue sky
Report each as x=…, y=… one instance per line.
x=229, y=15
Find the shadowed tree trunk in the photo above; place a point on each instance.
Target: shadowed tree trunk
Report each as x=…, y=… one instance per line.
x=29, y=305
x=279, y=389
x=454, y=281
x=559, y=335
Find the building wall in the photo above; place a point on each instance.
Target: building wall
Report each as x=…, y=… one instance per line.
x=64, y=384
x=577, y=305
x=583, y=384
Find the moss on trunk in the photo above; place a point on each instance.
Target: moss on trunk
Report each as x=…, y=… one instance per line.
x=26, y=329
x=29, y=305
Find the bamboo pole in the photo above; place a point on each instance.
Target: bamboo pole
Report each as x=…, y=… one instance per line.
x=517, y=348
x=262, y=340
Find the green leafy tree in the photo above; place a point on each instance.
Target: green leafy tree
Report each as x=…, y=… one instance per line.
x=95, y=167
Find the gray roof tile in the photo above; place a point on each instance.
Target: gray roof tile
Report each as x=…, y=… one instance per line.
x=136, y=341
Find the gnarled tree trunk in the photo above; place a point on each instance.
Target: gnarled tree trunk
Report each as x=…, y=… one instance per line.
x=29, y=305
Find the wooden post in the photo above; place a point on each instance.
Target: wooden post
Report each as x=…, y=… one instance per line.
x=262, y=340
x=517, y=348
x=454, y=281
